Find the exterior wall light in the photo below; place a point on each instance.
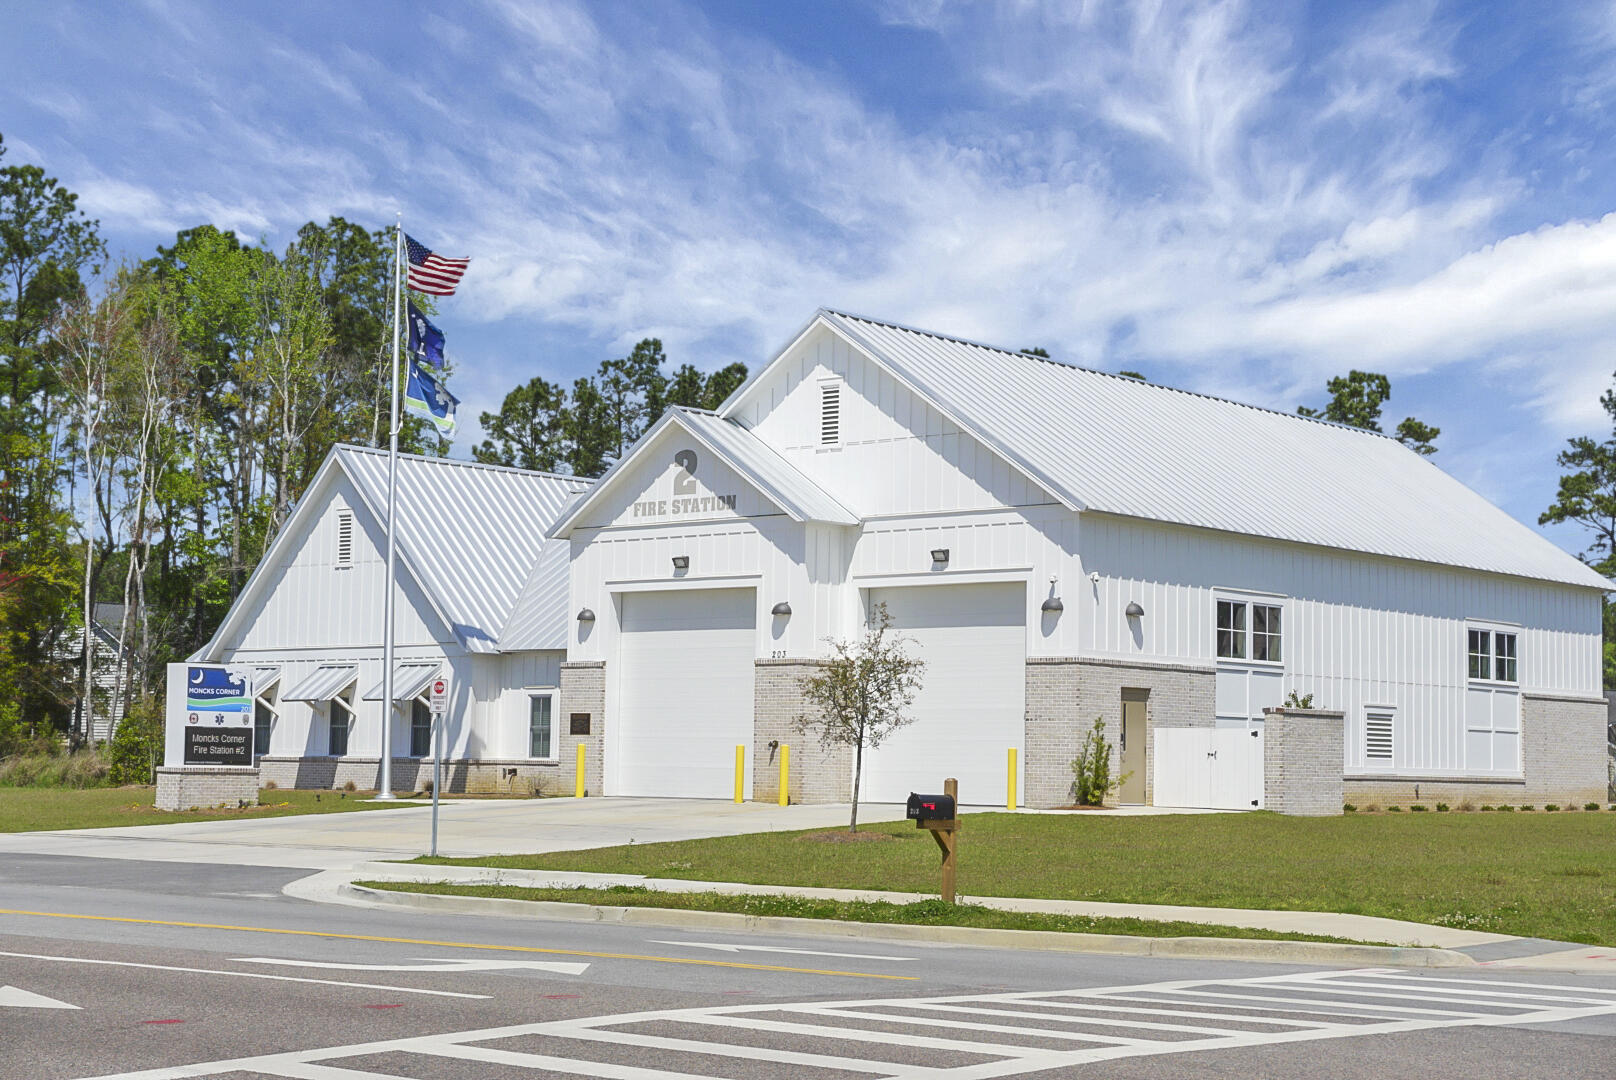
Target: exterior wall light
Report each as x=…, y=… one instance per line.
x=681, y=562
x=782, y=608
x=1053, y=604
x=939, y=555
x=1133, y=610
x=585, y=615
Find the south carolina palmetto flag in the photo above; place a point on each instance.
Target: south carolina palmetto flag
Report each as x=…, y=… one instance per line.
x=431, y=273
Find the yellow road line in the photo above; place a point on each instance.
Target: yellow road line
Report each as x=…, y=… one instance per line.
x=459, y=944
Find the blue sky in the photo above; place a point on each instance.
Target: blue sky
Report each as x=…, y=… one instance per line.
x=1243, y=199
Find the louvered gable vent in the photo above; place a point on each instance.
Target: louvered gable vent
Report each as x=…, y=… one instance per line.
x=345, y=539
x=1378, y=736
x=830, y=412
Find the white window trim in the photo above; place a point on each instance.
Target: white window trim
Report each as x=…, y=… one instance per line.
x=1493, y=629
x=554, y=694
x=424, y=699
x=331, y=705
x=1274, y=600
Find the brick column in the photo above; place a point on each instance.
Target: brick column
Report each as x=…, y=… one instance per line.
x=583, y=690
x=1303, y=752
x=818, y=775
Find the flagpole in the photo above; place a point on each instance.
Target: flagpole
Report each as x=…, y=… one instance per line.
x=386, y=791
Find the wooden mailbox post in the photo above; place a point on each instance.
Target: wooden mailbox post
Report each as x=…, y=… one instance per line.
x=940, y=814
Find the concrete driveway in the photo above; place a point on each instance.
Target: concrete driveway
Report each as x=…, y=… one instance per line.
x=465, y=827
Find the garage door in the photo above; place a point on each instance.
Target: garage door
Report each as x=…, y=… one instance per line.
x=969, y=710
x=684, y=691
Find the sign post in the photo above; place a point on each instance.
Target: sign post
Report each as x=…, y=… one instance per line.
x=439, y=700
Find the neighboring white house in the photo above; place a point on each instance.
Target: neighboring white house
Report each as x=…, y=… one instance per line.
x=481, y=598
x=1061, y=545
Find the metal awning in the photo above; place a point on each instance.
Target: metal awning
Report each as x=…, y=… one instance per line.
x=408, y=681
x=324, y=683
x=264, y=680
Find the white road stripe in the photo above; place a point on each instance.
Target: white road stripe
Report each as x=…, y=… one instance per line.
x=724, y=947
x=1234, y=1001
x=246, y=975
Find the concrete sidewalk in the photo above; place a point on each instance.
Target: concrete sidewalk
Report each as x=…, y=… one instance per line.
x=1492, y=950
x=466, y=828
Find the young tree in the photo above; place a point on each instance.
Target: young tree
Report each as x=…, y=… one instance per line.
x=1356, y=400
x=862, y=693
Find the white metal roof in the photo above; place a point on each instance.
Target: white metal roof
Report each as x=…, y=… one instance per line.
x=779, y=480
x=323, y=683
x=409, y=679
x=1121, y=446
x=539, y=619
x=471, y=533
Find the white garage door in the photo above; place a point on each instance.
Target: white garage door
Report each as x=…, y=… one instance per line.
x=969, y=711
x=684, y=692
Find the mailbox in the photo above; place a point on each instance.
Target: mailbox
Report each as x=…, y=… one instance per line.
x=930, y=807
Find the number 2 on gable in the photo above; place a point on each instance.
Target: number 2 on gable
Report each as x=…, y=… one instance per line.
x=684, y=481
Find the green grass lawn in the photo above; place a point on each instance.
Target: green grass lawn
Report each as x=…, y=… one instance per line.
x=29, y=809
x=920, y=913
x=1539, y=874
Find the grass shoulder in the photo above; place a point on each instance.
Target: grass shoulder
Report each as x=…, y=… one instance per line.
x=24, y=809
x=919, y=913
x=1533, y=875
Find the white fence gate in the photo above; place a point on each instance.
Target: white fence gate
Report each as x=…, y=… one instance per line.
x=1213, y=768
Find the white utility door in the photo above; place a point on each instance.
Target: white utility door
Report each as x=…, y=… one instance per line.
x=1209, y=768
x=969, y=711
x=684, y=692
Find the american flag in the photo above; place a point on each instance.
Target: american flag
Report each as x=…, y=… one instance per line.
x=431, y=273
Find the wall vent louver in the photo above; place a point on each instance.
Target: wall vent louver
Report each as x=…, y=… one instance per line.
x=1378, y=736
x=830, y=413
x=345, y=539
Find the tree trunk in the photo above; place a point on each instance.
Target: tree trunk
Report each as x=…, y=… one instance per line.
x=858, y=773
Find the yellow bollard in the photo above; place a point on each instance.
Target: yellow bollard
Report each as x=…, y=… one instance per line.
x=785, y=775
x=740, y=773
x=1010, y=782
x=578, y=780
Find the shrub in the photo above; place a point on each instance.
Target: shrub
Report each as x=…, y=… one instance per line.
x=1505, y=808
x=1298, y=702
x=270, y=785
x=1442, y=808
x=86, y=769
x=136, y=748
x=1528, y=809
x=1551, y=807
x=1348, y=808
x=1466, y=806
x=1372, y=808
x=1486, y=808
x=1590, y=806
x=1417, y=808
x=1091, y=771
x=350, y=786
x=1394, y=809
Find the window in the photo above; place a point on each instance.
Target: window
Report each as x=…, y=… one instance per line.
x=1231, y=630
x=1492, y=656
x=263, y=722
x=1265, y=633
x=345, y=539
x=1378, y=735
x=1504, y=657
x=830, y=413
x=538, y=726
x=1480, y=654
x=420, y=729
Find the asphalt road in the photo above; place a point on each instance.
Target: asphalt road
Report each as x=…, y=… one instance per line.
x=122, y=968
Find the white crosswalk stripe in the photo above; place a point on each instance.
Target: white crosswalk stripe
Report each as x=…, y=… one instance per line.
x=958, y=1036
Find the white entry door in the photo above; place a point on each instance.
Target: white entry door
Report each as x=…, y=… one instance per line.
x=684, y=692
x=969, y=711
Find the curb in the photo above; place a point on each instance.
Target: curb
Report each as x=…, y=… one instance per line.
x=1252, y=949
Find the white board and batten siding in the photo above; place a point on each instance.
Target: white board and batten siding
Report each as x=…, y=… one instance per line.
x=1361, y=634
